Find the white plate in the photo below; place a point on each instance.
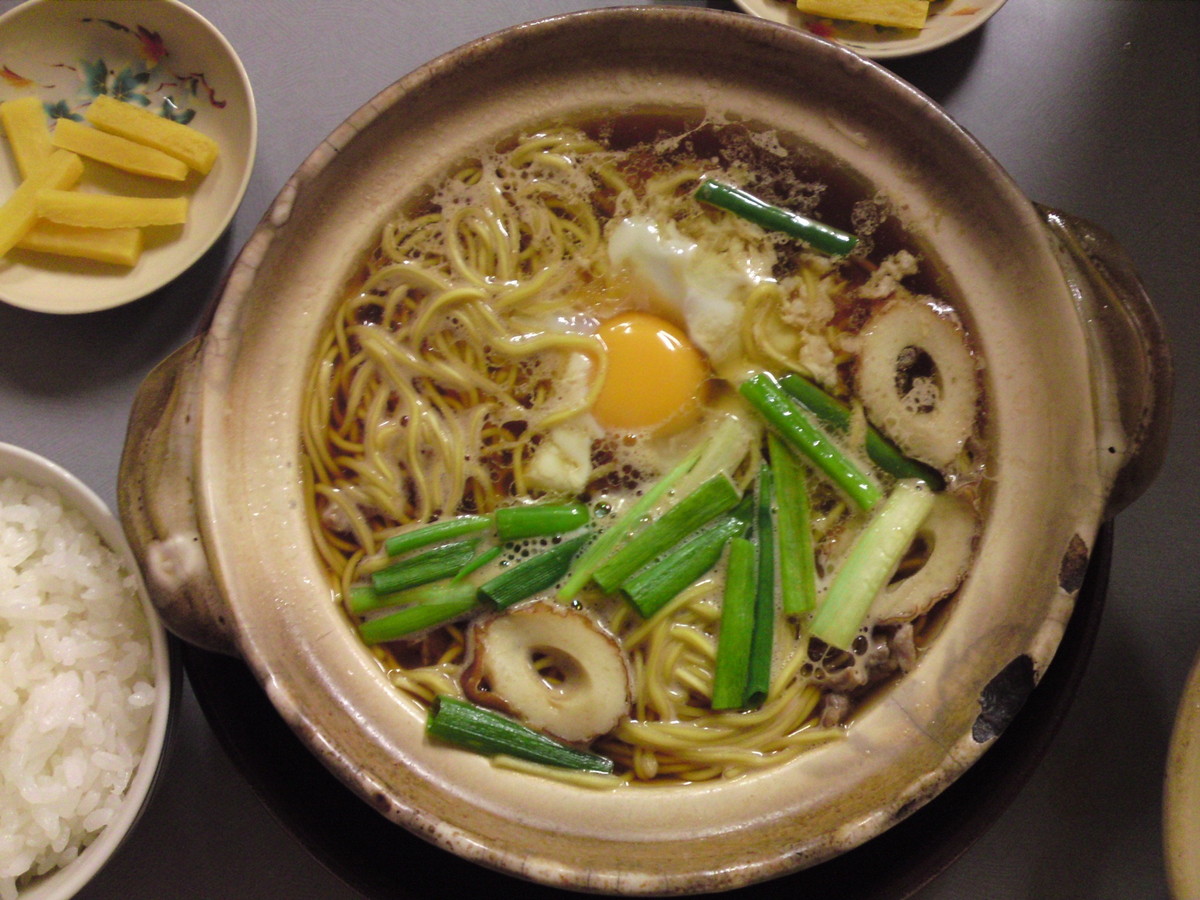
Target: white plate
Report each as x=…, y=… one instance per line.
x=948, y=21
x=157, y=50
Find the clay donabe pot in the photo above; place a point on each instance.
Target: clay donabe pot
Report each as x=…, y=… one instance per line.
x=1076, y=378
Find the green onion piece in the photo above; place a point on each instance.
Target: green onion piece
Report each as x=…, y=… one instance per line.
x=697, y=509
x=493, y=734
x=754, y=209
x=611, y=537
x=535, y=574
x=477, y=562
x=434, y=533
x=762, y=639
x=723, y=451
x=539, y=520
x=737, y=625
x=781, y=412
x=870, y=562
x=362, y=598
x=797, y=556
x=432, y=565
x=413, y=619
x=836, y=414
x=656, y=585
x=365, y=599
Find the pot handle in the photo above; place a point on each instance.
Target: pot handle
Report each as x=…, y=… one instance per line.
x=1132, y=372
x=156, y=499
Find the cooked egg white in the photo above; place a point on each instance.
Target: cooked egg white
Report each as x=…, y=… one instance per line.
x=702, y=289
x=562, y=463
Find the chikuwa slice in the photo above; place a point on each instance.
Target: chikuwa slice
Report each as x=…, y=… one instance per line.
x=946, y=544
x=551, y=666
x=917, y=378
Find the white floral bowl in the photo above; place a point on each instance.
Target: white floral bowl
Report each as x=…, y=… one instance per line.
x=150, y=54
x=65, y=882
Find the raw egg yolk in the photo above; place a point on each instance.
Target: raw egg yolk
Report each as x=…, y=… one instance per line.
x=654, y=374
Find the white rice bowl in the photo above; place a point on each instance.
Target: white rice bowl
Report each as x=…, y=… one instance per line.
x=85, y=682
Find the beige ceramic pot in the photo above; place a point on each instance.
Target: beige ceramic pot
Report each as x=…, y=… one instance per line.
x=1077, y=382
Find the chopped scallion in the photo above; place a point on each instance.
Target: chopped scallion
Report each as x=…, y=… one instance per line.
x=434, y=533
x=477, y=562
x=611, y=537
x=659, y=583
x=797, y=559
x=789, y=419
x=774, y=218
x=762, y=640
x=836, y=414
x=513, y=523
x=431, y=565
x=697, y=509
x=492, y=734
x=529, y=576
x=412, y=619
x=723, y=451
x=737, y=626
x=362, y=598
x=365, y=599
x=870, y=561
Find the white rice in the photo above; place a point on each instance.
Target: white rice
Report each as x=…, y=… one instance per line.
x=76, y=683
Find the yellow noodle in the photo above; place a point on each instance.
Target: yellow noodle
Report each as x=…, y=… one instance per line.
x=427, y=683
x=698, y=640
x=594, y=780
x=421, y=327
x=698, y=681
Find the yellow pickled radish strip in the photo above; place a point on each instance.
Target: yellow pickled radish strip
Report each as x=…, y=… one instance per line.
x=183, y=142
x=119, y=246
x=896, y=13
x=110, y=211
x=24, y=121
x=117, y=151
x=58, y=172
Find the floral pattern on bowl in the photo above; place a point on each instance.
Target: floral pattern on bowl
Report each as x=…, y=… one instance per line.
x=144, y=81
x=162, y=56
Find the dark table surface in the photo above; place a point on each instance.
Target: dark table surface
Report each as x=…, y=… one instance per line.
x=1093, y=107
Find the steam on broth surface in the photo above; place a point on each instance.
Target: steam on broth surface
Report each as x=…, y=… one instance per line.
x=561, y=325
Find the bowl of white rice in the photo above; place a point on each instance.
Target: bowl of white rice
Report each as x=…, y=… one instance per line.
x=85, y=682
